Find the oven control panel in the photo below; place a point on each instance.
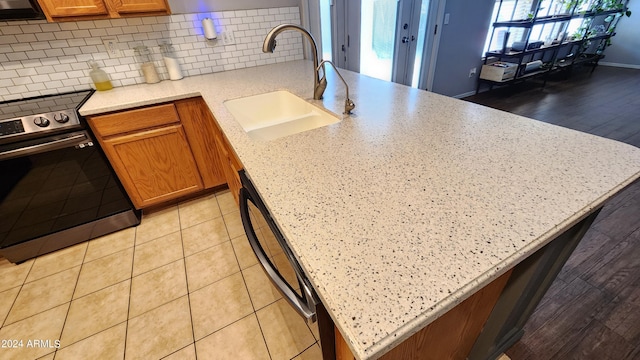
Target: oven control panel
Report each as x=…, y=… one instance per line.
x=31, y=125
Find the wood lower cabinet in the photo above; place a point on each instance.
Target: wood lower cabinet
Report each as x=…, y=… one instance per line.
x=230, y=165
x=155, y=165
x=167, y=151
x=201, y=129
x=73, y=10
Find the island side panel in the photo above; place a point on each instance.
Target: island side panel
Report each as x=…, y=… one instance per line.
x=451, y=336
x=527, y=286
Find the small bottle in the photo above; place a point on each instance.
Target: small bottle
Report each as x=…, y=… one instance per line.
x=100, y=78
x=146, y=64
x=171, y=61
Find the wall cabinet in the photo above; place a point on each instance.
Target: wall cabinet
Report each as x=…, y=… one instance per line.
x=163, y=152
x=72, y=10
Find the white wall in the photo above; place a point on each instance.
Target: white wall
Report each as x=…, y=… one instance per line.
x=625, y=48
x=461, y=45
x=40, y=58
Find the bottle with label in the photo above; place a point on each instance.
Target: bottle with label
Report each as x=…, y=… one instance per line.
x=171, y=61
x=146, y=64
x=99, y=77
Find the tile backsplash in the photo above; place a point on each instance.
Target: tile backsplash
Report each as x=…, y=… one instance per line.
x=40, y=58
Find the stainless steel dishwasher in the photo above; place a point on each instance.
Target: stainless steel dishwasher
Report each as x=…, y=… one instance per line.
x=274, y=254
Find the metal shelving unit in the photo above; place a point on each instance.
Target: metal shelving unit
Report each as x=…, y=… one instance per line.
x=591, y=23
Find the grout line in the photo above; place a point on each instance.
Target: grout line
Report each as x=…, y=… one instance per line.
x=186, y=279
x=75, y=287
x=133, y=258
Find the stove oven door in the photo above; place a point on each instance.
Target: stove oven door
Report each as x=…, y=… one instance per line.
x=50, y=185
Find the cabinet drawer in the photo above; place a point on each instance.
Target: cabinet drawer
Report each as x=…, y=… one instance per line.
x=133, y=120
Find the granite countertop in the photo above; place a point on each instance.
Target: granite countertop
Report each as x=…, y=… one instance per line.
x=404, y=209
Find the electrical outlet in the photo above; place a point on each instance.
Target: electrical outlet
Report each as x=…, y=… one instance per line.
x=472, y=72
x=228, y=38
x=111, y=47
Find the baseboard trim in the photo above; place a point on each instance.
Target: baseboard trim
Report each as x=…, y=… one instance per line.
x=620, y=65
x=460, y=96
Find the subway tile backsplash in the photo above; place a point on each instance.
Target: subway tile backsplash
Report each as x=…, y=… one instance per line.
x=40, y=58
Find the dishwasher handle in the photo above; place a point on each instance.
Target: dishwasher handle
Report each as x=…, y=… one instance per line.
x=274, y=275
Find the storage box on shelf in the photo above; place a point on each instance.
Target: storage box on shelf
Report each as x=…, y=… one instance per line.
x=542, y=36
x=498, y=71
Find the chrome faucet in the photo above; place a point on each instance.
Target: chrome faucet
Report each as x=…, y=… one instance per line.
x=348, y=104
x=319, y=83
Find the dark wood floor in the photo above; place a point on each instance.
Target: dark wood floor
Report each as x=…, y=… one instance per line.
x=592, y=310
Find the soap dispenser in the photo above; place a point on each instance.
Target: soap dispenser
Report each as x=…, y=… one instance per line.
x=100, y=78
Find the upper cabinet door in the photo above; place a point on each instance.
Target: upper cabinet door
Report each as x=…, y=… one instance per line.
x=65, y=8
x=138, y=6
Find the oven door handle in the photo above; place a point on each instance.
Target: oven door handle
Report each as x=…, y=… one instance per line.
x=75, y=138
x=276, y=278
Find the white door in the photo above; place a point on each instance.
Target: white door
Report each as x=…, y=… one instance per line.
x=380, y=38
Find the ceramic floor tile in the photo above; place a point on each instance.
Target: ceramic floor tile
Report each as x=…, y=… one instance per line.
x=13, y=275
x=7, y=298
x=157, y=223
x=240, y=340
x=46, y=325
x=57, y=261
x=211, y=265
x=272, y=242
x=157, y=287
x=226, y=202
x=188, y=353
x=261, y=291
x=108, y=344
x=156, y=253
x=234, y=224
x=312, y=353
x=244, y=253
x=44, y=294
x=284, y=267
x=160, y=332
x=198, y=210
x=104, y=272
x=219, y=304
x=109, y=244
x=314, y=330
x=285, y=332
x=204, y=235
x=96, y=312
x=48, y=357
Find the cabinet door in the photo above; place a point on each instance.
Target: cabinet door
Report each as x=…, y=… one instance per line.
x=200, y=126
x=154, y=166
x=64, y=8
x=230, y=165
x=139, y=6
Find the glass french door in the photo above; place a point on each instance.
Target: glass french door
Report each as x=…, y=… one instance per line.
x=379, y=38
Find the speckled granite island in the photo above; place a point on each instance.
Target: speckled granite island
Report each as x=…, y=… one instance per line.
x=415, y=202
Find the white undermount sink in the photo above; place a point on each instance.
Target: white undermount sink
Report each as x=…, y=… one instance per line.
x=276, y=114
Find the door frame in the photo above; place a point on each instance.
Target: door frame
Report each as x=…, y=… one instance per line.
x=435, y=23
